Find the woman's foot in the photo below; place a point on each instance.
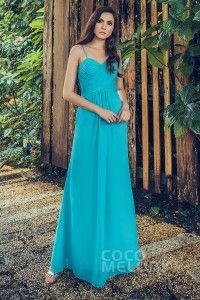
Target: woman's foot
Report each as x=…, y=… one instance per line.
x=50, y=277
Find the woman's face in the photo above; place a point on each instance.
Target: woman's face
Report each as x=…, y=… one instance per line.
x=104, y=26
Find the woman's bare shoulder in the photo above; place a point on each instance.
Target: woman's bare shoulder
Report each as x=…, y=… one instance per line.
x=76, y=50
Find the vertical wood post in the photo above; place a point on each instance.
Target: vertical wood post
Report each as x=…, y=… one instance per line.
x=144, y=99
x=59, y=108
x=156, y=111
x=47, y=82
x=127, y=29
x=167, y=101
x=73, y=23
x=186, y=148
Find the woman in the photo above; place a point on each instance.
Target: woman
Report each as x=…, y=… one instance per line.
x=96, y=234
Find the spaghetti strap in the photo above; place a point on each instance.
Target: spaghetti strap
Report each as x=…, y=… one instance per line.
x=84, y=50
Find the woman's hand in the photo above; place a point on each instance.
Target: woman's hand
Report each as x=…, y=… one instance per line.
x=124, y=114
x=107, y=115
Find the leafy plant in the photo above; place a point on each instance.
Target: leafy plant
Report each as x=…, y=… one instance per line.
x=184, y=21
x=21, y=31
x=184, y=113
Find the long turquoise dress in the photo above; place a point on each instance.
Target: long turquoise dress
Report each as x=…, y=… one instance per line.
x=96, y=235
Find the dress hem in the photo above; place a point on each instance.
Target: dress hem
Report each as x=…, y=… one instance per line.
x=90, y=282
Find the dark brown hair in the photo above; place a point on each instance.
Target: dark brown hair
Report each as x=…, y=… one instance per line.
x=87, y=35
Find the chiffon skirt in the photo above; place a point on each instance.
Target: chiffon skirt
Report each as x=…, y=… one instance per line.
x=96, y=235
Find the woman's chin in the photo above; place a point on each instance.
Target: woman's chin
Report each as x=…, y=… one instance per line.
x=101, y=36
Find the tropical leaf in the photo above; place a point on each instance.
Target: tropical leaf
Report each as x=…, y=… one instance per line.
x=179, y=129
x=150, y=41
x=194, y=50
x=164, y=40
x=152, y=29
x=128, y=51
x=188, y=29
x=184, y=113
x=197, y=16
x=155, y=57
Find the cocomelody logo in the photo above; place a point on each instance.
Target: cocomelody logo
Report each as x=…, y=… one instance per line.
x=118, y=260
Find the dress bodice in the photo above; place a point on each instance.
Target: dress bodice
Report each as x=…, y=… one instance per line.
x=94, y=76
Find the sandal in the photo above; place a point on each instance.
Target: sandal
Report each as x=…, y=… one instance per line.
x=50, y=277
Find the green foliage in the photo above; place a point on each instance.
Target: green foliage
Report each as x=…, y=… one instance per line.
x=155, y=58
x=184, y=21
x=184, y=113
x=21, y=31
x=154, y=210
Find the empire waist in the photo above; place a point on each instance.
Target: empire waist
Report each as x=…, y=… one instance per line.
x=101, y=91
x=107, y=98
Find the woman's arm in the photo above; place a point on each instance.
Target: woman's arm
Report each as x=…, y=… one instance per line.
x=70, y=81
x=125, y=112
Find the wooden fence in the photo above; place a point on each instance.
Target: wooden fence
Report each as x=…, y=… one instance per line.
x=152, y=152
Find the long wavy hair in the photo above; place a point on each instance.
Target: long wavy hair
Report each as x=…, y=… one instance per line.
x=87, y=35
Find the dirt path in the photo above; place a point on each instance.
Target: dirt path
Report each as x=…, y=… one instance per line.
x=29, y=210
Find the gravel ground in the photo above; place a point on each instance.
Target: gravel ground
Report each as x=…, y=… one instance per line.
x=29, y=209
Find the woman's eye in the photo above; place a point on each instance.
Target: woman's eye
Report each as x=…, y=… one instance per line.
x=110, y=23
x=99, y=21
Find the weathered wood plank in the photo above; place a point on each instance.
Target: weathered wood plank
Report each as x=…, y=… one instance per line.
x=59, y=110
x=156, y=111
x=73, y=32
x=86, y=11
x=144, y=99
x=127, y=29
x=115, y=5
x=47, y=82
x=187, y=152
x=167, y=101
x=98, y=3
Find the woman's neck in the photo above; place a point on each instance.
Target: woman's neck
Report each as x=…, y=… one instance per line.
x=97, y=43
